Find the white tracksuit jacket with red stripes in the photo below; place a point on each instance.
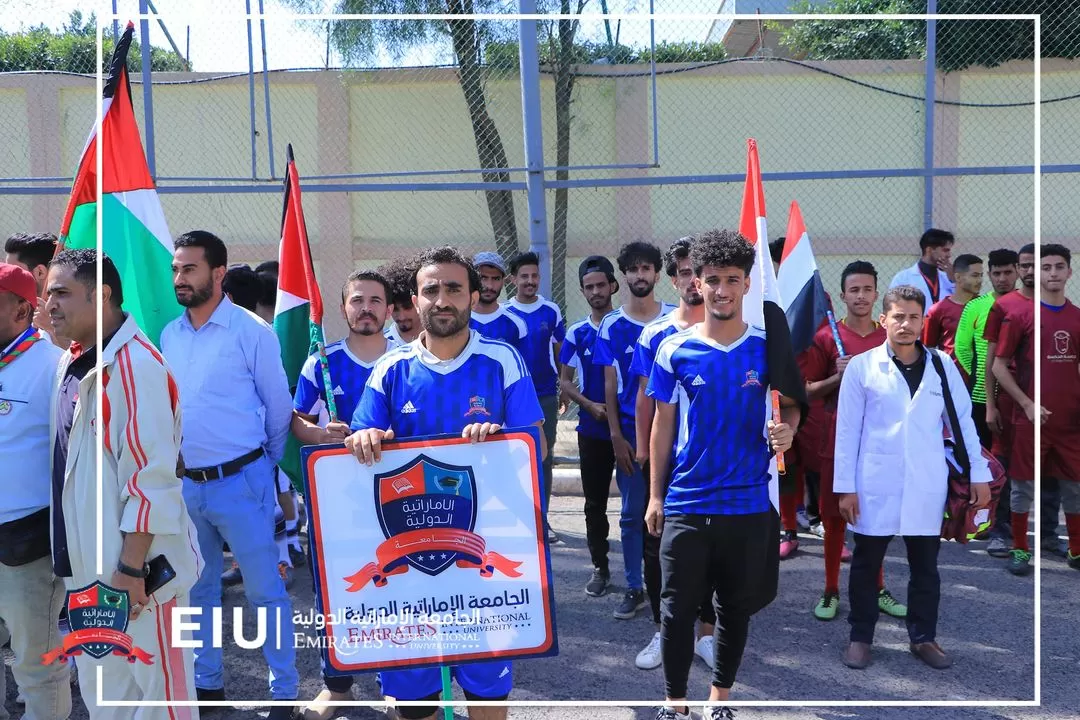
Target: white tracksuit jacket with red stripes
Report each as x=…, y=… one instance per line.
x=141, y=415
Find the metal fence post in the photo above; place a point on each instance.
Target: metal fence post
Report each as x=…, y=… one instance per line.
x=266, y=89
x=251, y=91
x=529, y=58
x=147, y=88
x=928, y=111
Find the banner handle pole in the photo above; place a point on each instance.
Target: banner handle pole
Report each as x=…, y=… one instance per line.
x=447, y=692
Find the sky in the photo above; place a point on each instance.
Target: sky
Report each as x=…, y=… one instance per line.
x=219, y=44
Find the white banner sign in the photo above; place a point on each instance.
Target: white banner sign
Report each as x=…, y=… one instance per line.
x=434, y=555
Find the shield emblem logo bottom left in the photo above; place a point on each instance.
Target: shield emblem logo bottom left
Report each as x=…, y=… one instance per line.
x=98, y=606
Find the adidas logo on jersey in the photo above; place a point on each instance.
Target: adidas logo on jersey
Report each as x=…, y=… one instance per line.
x=408, y=407
x=338, y=390
x=697, y=381
x=588, y=351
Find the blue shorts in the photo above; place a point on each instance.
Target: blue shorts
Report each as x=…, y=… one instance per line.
x=493, y=679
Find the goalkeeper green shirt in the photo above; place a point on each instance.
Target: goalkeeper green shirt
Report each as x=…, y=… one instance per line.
x=971, y=347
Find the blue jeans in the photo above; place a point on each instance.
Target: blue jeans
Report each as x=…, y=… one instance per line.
x=634, y=491
x=239, y=509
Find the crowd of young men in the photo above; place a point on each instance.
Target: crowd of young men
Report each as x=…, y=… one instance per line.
x=653, y=383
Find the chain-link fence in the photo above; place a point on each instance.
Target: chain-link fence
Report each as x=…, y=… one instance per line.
x=410, y=133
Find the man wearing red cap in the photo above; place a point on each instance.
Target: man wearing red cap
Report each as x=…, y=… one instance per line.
x=30, y=595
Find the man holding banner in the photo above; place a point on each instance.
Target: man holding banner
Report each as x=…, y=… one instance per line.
x=451, y=381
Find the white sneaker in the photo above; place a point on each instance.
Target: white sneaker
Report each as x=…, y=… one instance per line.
x=705, y=648
x=802, y=519
x=650, y=658
x=818, y=529
x=717, y=712
x=20, y=699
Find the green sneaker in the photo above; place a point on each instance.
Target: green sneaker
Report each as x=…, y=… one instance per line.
x=1020, y=562
x=1073, y=560
x=827, y=606
x=888, y=604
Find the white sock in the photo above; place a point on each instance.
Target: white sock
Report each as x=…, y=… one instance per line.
x=292, y=534
x=283, y=550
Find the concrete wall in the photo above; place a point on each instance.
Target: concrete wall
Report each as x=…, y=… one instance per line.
x=391, y=121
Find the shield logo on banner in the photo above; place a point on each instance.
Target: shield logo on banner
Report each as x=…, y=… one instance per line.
x=426, y=494
x=98, y=607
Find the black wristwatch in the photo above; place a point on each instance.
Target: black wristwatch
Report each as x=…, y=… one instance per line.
x=130, y=571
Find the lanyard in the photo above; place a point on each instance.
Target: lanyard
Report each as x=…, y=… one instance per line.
x=21, y=345
x=932, y=285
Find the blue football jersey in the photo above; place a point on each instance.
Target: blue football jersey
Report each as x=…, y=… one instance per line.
x=721, y=462
x=348, y=373
x=615, y=343
x=546, y=329
x=577, y=352
x=649, y=342
x=414, y=393
x=500, y=325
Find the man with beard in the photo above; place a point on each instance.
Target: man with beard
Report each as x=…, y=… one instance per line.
x=543, y=343
x=406, y=320
x=939, y=330
x=583, y=382
x=1057, y=410
x=639, y=262
x=489, y=318
x=971, y=349
x=932, y=274
x=350, y=360
x=452, y=380
x=141, y=511
x=691, y=311
x=891, y=475
x=710, y=501
x=824, y=369
x=227, y=364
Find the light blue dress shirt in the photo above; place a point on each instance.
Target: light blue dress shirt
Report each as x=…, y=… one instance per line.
x=233, y=388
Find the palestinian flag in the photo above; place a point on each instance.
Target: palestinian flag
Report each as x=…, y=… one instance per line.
x=134, y=233
x=298, y=313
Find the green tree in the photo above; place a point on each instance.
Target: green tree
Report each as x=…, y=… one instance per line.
x=358, y=42
x=960, y=43
x=73, y=49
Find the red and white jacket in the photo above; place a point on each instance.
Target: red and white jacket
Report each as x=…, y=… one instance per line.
x=140, y=414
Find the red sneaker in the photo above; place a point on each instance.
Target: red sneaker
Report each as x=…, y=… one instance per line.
x=789, y=543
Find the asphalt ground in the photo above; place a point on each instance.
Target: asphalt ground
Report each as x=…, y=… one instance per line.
x=986, y=624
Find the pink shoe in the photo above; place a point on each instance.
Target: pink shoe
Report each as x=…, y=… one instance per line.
x=845, y=554
x=788, y=545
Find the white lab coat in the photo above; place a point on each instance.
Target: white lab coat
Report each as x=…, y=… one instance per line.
x=914, y=277
x=890, y=448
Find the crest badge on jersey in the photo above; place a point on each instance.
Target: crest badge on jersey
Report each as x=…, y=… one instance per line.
x=427, y=512
x=98, y=615
x=753, y=379
x=1062, y=340
x=477, y=406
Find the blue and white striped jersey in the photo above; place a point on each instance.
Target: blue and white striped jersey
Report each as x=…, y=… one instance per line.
x=546, y=329
x=501, y=325
x=414, y=393
x=615, y=345
x=348, y=374
x=721, y=463
x=578, y=352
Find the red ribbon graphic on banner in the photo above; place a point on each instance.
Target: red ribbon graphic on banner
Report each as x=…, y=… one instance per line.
x=442, y=539
x=74, y=641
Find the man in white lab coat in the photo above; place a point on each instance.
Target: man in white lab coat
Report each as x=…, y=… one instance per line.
x=891, y=473
x=932, y=274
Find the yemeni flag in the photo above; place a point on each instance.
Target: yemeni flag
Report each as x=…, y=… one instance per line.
x=133, y=226
x=762, y=306
x=298, y=313
x=805, y=302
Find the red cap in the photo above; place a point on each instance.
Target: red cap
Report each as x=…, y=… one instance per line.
x=14, y=279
